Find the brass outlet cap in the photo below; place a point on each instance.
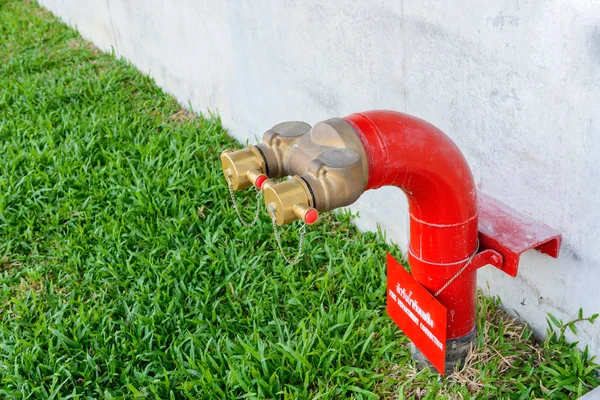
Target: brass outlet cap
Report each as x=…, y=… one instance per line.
x=256, y=177
x=282, y=198
x=307, y=214
x=237, y=164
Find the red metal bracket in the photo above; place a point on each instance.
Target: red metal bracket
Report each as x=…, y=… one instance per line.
x=486, y=257
x=510, y=233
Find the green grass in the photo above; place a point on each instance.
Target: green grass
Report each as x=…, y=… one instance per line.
x=125, y=273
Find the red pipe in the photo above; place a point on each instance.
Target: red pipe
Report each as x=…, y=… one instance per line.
x=409, y=153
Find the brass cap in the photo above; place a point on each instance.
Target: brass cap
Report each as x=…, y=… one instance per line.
x=236, y=166
x=309, y=215
x=283, y=198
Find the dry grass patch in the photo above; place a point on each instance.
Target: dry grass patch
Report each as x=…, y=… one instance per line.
x=183, y=115
x=78, y=44
x=6, y=265
x=505, y=362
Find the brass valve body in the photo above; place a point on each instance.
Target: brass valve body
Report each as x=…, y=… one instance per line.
x=328, y=165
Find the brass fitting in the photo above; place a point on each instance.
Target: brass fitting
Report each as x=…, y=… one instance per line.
x=328, y=165
x=289, y=200
x=242, y=168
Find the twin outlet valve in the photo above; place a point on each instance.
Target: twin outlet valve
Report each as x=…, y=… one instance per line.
x=454, y=229
x=236, y=166
x=326, y=164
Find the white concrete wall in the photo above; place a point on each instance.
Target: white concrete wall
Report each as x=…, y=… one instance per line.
x=515, y=83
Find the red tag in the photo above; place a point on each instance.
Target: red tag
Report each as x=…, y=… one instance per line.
x=417, y=313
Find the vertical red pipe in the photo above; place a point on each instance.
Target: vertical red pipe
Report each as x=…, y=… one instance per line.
x=409, y=153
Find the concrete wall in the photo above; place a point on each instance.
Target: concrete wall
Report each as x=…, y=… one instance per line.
x=516, y=83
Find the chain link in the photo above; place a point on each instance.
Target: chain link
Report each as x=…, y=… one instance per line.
x=460, y=271
x=237, y=209
x=301, y=232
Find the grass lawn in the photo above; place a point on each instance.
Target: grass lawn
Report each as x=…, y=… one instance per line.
x=125, y=273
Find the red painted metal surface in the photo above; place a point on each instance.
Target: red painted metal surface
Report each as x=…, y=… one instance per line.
x=409, y=153
x=511, y=233
x=260, y=180
x=311, y=216
x=447, y=216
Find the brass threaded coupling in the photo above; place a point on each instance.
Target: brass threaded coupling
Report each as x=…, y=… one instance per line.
x=289, y=200
x=243, y=167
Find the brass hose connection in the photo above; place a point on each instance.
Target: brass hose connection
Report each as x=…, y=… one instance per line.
x=290, y=200
x=244, y=168
x=327, y=164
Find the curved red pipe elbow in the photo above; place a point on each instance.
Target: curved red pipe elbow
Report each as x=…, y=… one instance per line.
x=409, y=153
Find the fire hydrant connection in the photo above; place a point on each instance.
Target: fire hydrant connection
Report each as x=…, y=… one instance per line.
x=327, y=165
x=331, y=164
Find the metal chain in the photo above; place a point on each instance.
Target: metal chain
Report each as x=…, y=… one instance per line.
x=237, y=209
x=302, y=232
x=460, y=271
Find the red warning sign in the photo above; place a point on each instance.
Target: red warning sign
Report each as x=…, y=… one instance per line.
x=420, y=316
